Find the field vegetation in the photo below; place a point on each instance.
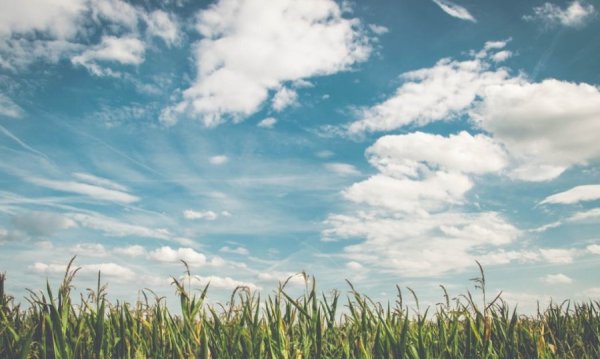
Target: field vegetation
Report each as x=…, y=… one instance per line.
x=53, y=325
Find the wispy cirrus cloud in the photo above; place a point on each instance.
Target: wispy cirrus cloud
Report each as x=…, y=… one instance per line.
x=9, y=108
x=455, y=10
x=91, y=190
x=574, y=195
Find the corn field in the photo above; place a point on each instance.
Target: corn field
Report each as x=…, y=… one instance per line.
x=313, y=325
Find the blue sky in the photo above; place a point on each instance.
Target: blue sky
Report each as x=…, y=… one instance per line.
x=384, y=142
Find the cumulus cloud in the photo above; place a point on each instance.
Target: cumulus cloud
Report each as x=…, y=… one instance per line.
x=421, y=245
x=283, y=98
x=411, y=220
x=268, y=122
x=455, y=10
x=59, y=18
x=415, y=153
x=533, y=122
x=576, y=14
x=121, y=50
x=163, y=25
x=131, y=251
x=90, y=190
x=557, y=279
x=593, y=248
x=276, y=277
x=547, y=126
x=193, y=258
x=222, y=282
x=167, y=254
x=408, y=195
x=48, y=31
x=441, y=92
x=574, y=195
x=238, y=63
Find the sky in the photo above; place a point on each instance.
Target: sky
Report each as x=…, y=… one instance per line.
x=384, y=142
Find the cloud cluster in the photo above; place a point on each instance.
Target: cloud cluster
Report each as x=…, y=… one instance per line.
x=409, y=225
x=545, y=127
x=53, y=30
x=238, y=63
x=576, y=14
x=413, y=216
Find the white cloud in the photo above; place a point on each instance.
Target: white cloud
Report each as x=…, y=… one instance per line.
x=406, y=195
x=378, y=29
x=113, y=270
x=532, y=121
x=575, y=15
x=283, y=98
x=238, y=250
x=441, y=92
x=591, y=214
x=501, y=56
x=455, y=10
x=238, y=63
x=42, y=224
x=122, y=50
x=424, y=245
x=116, y=12
x=415, y=153
x=93, y=191
x=9, y=108
x=89, y=249
x=281, y=277
x=116, y=228
x=218, y=160
x=99, y=181
x=352, y=265
x=59, y=18
x=557, y=279
x=222, y=282
x=50, y=30
x=575, y=195
x=268, y=122
x=593, y=248
x=343, y=169
x=207, y=215
x=535, y=122
x=558, y=256
x=131, y=251
x=169, y=255
x=164, y=25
